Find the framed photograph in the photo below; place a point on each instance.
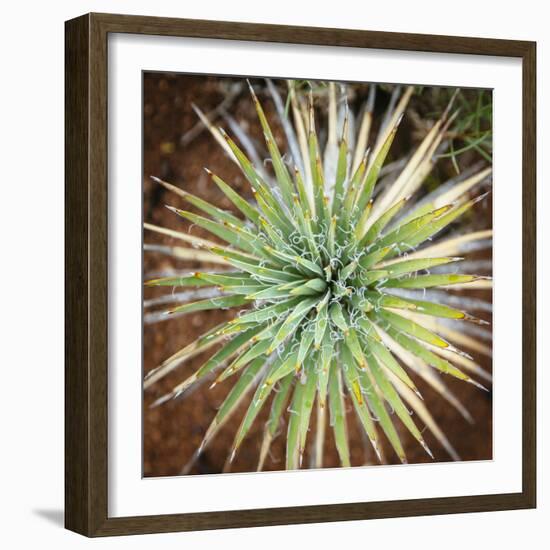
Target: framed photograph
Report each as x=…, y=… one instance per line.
x=300, y=280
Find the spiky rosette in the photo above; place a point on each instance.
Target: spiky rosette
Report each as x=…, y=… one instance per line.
x=329, y=275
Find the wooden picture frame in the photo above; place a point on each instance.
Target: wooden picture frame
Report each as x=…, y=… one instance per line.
x=86, y=222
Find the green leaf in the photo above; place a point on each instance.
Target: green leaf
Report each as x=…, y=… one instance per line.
x=365, y=191
x=293, y=432
x=228, y=350
x=331, y=236
x=403, y=233
x=247, y=291
x=348, y=208
x=176, y=360
x=313, y=286
x=272, y=424
x=184, y=280
x=338, y=415
x=337, y=317
x=409, y=266
x=321, y=323
x=221, y=302
x=372, y=276
x=341, y=172
x=353, y=383
x=246, y=264
x=306, y=339
x=247, y=210
x=225, y=279
x=229, y=254
x=376, y=405
x=257, y=349
x=354, y=345
x=384, y=356
x=412, y=328
x=213, y=211
x=430, y=281
x=312, y=245
x=392, y=397
x=317, y=173
x=429, y=357
x=293, y=321
x=267, y=312
x=231, y=234
x=254, y=408
x=299, y=261
x=379, y=299
x=441, y=222
x=234, y=327
x=255, y=180
x=286, y=366
x=421, y=306
x=274, y=214
x=234, y=398
x=325, y=358
x=348, y=270
x=302, y=193
x=281, y=172
x=277, y=238
x=361, y=225
x=300, y=215
x=372, y=258
x=378, y=226
x=368, y=329
x=282, y=290
x=308, y=398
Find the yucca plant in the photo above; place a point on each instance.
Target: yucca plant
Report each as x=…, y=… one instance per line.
x=339, y=274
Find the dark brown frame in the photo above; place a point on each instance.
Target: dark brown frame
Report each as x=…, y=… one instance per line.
x=86, y=274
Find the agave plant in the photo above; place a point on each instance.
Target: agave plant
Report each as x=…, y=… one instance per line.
x=339, y=273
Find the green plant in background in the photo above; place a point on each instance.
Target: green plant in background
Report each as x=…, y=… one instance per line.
x=340, y=272
x=473, y=130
